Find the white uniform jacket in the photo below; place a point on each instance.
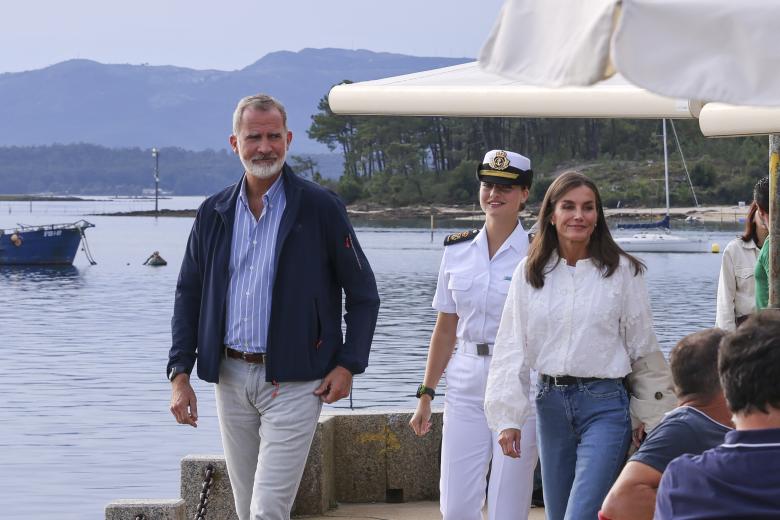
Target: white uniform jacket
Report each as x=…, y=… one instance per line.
x=474, y=286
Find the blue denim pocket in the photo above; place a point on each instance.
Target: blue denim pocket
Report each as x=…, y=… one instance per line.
x=541, y=390
x=604, y=389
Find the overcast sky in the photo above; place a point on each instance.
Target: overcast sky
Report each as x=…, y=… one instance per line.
x=208, y=34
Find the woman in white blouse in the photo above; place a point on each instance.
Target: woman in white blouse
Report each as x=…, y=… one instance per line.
x=578, y=312
x=736, y=285
x=474, y=277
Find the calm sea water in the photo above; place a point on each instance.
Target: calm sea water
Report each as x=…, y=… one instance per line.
x=84, y=400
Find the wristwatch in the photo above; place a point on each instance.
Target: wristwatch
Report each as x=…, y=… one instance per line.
x=175, y=371
x=424, y=390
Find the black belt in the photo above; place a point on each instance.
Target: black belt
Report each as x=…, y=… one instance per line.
x=249, y=357
x=568, y=380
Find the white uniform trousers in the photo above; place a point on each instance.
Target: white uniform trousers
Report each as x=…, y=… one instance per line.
x=468, y=446
x=266, y=434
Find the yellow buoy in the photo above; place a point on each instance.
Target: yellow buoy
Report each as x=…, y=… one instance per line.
x=715, y=247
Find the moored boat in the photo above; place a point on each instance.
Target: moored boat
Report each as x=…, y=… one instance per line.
x=666, y=242
x=45, y=244
x=662, y=243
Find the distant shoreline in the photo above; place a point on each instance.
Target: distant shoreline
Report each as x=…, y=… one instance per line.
x=364, y=212
x=41, y=198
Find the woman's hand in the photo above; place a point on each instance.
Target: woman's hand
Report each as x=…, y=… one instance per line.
x=638, y=435
x=509, y=440
x=421, y=420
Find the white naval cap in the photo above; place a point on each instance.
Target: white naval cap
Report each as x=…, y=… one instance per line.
x=505, y=167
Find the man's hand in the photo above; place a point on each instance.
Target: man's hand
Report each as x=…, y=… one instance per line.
x=638, y=435
x=509, y=440
x=184, y=404
x=421, y=420
x=335, y=385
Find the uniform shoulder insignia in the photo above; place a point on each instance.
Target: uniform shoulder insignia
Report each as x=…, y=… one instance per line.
x=460, y=237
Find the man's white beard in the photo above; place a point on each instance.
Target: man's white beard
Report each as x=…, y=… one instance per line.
x=262, y=171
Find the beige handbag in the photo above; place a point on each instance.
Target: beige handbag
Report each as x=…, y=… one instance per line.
x=652, y=390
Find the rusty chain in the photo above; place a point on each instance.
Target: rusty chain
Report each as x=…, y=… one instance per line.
x=203, y=503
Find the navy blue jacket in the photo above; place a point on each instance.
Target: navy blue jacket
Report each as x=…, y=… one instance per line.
x=317, y=255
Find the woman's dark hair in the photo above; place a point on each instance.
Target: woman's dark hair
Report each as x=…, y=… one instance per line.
x=761, y=194
x=750, y=232
x=602, y=249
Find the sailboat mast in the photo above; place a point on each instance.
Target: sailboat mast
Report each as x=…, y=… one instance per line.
x=666, y=169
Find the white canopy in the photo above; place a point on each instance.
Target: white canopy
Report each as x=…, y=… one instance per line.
x=715, y=50
x=466, y=90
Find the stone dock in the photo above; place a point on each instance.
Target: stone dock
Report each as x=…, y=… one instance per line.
x=362, y=464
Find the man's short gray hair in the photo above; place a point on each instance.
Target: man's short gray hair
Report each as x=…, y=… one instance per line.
x=262, y=102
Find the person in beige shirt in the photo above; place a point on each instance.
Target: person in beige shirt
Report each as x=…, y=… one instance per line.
x=736, y=285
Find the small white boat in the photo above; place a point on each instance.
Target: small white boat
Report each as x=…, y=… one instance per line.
x=662, y=243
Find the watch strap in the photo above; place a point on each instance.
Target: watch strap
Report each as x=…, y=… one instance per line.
x=175, y=371
x=425, y=390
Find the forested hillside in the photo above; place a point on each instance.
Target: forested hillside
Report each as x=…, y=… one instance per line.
x=410, y=160
x=396, y=161
x=88, y=169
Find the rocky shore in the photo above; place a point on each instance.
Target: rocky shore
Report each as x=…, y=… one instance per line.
x=469, y=212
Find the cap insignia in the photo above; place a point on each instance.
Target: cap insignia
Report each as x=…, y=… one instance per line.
x=500, y=161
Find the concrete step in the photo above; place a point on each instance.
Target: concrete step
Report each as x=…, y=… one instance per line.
x=425, y=510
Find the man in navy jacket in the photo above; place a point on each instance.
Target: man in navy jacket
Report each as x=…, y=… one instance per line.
x=258, y=305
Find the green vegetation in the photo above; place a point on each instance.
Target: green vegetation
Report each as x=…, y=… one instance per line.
x=402, y=161
x=399, y=161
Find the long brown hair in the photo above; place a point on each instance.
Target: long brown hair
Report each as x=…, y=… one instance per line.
x=751, y=233
x=602, y=249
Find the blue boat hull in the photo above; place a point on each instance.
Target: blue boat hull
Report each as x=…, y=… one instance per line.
x=40, y=246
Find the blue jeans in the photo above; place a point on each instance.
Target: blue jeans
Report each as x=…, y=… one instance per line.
x=583, y=434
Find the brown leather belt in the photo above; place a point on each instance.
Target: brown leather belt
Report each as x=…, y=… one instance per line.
x=249, y=357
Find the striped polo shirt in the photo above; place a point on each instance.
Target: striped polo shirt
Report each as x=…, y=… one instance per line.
x=252, y=269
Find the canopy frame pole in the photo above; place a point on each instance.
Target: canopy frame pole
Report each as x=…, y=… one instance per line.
x=774, y=222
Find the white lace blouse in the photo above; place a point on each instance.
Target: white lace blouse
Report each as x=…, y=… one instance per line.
x=578, y=324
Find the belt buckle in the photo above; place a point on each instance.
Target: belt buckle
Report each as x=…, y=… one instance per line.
x=483, y=349
x=555, y=382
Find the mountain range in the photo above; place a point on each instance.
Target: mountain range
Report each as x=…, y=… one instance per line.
x=123, y=106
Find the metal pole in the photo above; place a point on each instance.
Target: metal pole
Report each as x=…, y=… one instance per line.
x=156, y=181
x=156, y=155
x=666, y=169
x=774, y=222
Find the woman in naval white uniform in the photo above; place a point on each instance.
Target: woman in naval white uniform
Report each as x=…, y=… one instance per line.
x=474, y=277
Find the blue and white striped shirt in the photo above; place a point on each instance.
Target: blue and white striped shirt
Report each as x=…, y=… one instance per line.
x=252, y=270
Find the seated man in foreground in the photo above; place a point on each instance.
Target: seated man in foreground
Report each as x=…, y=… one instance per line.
x=700, y=422
x=740, y=478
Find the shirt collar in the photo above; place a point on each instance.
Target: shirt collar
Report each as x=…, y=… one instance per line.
x=749, y=244
x=752, y=437
x=555, y=259
x=514, y=240
x=270, y=197
x=518, y=238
